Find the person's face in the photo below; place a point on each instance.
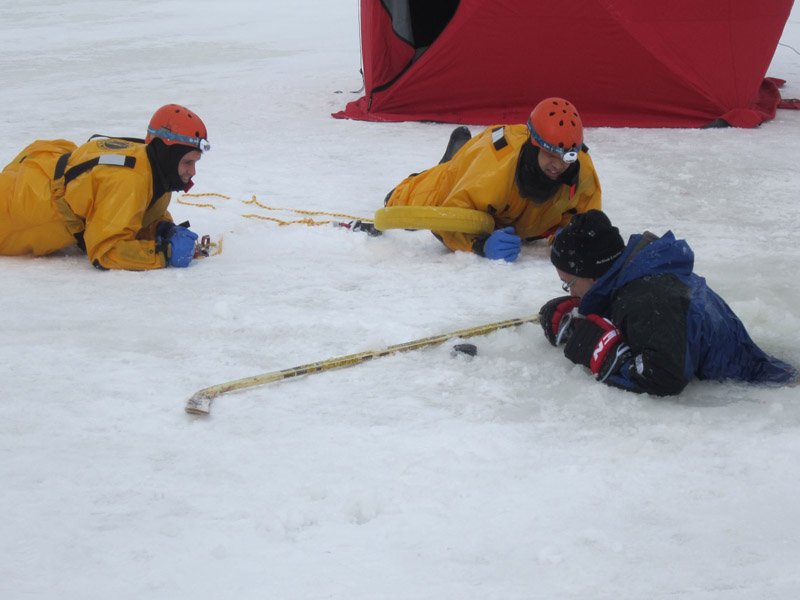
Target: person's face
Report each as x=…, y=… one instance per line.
x=578, y=286
x=551, y=164
x=186, y=166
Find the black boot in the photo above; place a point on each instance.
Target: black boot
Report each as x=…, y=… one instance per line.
x=458, y=138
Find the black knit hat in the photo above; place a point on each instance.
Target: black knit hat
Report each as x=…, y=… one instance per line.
x=588, y=246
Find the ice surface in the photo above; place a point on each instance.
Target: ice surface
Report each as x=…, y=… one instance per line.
x=511, y=476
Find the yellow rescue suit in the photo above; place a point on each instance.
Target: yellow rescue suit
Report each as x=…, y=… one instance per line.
x=482, y=176
x=101, y=191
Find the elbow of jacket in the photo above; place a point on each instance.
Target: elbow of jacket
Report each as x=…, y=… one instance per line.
x=666, y=387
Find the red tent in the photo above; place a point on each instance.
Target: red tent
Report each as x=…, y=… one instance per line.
x=683, y=63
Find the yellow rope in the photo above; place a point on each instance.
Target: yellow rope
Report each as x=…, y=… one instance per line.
x=309, y=222
x=207, y=194
x=197, y=204
x=253, y=201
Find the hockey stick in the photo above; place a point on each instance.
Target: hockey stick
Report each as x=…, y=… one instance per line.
x=200, y=402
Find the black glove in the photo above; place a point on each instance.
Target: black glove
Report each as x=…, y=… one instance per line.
x=164, y=231
x=556, y=318
x=597, y=344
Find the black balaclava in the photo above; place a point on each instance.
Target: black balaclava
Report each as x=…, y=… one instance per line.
x=533, y=184
x=164, y=159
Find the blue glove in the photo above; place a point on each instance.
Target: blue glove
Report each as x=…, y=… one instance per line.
x=503, y=243
x=181, y=246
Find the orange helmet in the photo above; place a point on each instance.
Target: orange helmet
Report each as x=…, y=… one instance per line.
x=176, y=124
x=556, y=127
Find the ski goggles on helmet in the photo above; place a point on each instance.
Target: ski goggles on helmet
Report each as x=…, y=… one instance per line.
x=568, y=155
x=188, y=140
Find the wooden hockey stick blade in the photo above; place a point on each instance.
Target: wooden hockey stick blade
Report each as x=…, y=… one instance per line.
x=200, y=402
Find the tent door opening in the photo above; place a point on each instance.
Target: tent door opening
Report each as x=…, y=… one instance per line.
x=428, y=20
x=419, y=22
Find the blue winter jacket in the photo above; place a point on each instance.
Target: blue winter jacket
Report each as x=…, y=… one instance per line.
x=676, y=326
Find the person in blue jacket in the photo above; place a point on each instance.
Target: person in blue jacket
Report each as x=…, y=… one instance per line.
x=641, y=319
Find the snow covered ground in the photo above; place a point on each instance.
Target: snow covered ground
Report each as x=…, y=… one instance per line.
x=511, y=476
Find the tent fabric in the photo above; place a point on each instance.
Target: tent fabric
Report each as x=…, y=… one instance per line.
x=623, y=63
x=385, y=52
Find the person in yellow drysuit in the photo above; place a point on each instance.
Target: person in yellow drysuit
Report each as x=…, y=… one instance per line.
x=531, y=178
x=109, y=196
